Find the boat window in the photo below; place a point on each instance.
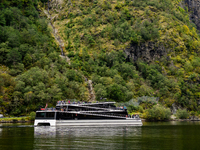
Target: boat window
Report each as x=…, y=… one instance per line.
x=40, y=114
x=50, y=115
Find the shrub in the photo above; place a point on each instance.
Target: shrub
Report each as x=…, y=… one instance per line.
x=132, y=108
x=23, y=119
x=14, y=120
x=193, y=114
x=182, y=114
x=140, y=109
x=157, y=113
x=32, y=116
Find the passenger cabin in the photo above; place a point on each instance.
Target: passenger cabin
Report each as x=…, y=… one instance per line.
x=82, y=111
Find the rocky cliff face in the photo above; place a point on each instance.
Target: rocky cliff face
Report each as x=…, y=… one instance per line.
x=194, y=8
x=150, y=51
x=146, y=51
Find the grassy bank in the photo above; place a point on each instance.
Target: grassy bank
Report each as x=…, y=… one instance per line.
x=15, y=119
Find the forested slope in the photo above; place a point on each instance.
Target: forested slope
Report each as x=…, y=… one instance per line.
x=128, y=49
x=31, y=72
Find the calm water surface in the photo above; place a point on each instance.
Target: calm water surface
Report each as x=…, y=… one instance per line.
x=159, y=135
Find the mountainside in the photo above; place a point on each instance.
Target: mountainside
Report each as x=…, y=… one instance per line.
x=122, y=49
x=32, y=73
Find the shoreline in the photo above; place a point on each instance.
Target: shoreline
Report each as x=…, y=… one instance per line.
x=15, y=120
x=19, y=121
x=185, y=120
x=181, y=120
x=25, y=120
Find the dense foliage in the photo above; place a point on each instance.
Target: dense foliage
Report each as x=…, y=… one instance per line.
x=182, y=114
x=157, y=113
x=32, y=73
x=139, y=104
x=95, y=33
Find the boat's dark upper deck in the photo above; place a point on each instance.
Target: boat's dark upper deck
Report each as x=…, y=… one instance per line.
x=82, y=110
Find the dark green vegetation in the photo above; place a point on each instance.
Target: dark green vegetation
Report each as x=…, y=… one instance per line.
x=16, y=120
x=157, y=113
x=95, y=34
x=102, y=28
x=31, y=71
x=182, y=114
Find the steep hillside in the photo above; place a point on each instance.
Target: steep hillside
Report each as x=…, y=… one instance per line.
x=151, y=45
x=32, y=73
x=114, y=25
x=126, y=49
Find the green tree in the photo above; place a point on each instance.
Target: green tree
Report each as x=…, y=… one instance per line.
x=117, y=92
x=13, y=57
x=182, y=114
x=100, y=91
x=158, y=112
x=192, y=113
x=32, y=116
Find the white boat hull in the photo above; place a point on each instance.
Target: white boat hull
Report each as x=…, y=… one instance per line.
x=52, y=122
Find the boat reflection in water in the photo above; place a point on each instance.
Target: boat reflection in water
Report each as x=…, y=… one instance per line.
x=44, y=131
x=109, y=137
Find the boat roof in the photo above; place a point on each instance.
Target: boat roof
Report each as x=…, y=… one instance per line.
x=84, y=104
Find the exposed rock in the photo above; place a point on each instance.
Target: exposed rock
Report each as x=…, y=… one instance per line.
x=56, y=36
x=66, y=58
x=193, y=118
x=55, y=4
x=91, y=91
x=146, y=51
x=174, y=108
x=150, y=51
x=194, y=8
x=173, y=117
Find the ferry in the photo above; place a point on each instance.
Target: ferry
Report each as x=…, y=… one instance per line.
x=85, y=114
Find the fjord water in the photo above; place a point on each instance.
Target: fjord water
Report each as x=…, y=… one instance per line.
x=152, y=135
